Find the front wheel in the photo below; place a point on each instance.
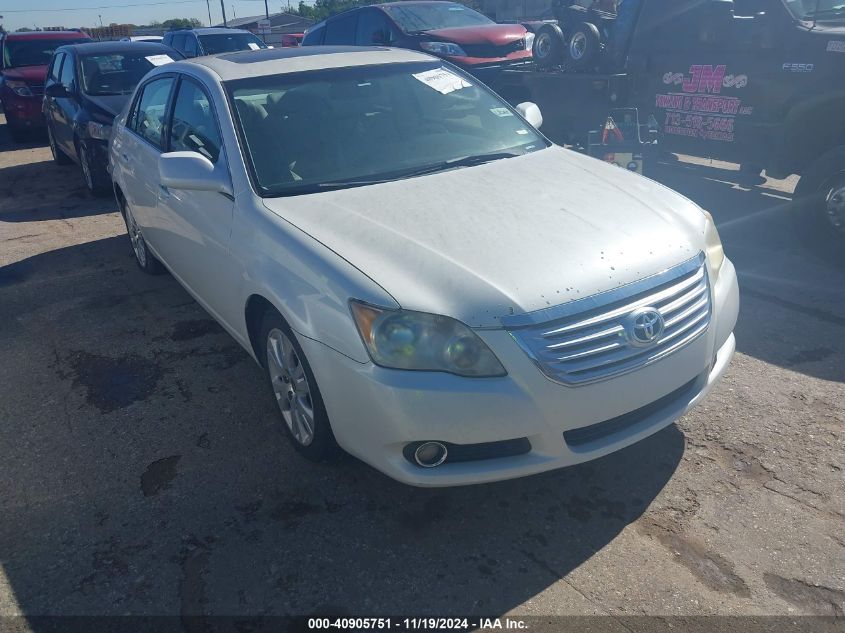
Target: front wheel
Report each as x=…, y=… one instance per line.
x=296, y=392
x=818, y=210
x=96, y=178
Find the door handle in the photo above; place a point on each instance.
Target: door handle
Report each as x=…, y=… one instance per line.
x=164, y=192
x=125, y=157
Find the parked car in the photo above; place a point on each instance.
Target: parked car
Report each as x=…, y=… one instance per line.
x=23, y=69
x=142, y=38
x=449, y=30
x=292, y=39
x=87, y=85
x=211, y=41
x=427, y=281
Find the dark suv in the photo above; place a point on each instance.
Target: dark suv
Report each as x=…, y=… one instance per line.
x=87, y=86
x=23, y=69
x=449, y=30
x=211, y=41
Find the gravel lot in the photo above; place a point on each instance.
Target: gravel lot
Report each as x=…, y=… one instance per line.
x=143, y=469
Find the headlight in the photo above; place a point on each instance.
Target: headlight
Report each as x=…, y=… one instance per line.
x=20, y=88
x=403, y=339
x=99, y=131
x=529, y=41
x=443, y=48
x=713, y=245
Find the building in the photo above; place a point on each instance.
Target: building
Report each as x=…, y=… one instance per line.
x=280, y=23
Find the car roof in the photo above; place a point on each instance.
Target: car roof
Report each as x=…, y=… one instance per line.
x=275, y=61
x=208, y=30
x=89, y=48
x=46, y=35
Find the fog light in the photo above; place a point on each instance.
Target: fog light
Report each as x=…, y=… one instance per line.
x=430, y=454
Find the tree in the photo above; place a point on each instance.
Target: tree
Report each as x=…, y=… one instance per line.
x=24, y=29
x=181, y=23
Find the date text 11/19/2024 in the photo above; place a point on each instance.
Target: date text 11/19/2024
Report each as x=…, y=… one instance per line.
x=416, y=624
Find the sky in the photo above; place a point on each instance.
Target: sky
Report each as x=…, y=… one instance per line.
x=73, y=13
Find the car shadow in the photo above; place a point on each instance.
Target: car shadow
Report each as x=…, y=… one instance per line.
x=151, y=475
x=792, y=302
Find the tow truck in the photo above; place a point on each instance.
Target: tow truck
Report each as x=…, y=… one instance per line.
x=754, y=82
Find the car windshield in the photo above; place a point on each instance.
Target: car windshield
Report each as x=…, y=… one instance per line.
x=821, y=10
x=414, y=18
x=347, y=127
x=34, y=52
x=118, y=73
x=229, y=43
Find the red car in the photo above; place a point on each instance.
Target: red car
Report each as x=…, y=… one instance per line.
x=292, y=39
x=23, y=70
x=449, y=30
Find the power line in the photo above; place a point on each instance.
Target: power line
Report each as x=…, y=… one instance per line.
x=105, y=6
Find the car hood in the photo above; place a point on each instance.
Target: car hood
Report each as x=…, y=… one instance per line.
x=508, y=237
x=29, y=74
x=110, y=104
x=497, y=34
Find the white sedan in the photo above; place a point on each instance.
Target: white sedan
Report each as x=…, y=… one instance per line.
x=428, y=282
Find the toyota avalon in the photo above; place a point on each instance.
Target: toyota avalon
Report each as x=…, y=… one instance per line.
x=428, y=283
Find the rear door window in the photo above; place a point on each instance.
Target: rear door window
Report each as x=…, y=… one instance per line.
x=191, y=49
x=341, y=30
x=178, y=42
x=149, y=120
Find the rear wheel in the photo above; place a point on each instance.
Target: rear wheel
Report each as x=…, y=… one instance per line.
x=143, y=257
x=819, y=206
x=549, y=44
x=584, y=45
x=296, y=392
x=59, y=157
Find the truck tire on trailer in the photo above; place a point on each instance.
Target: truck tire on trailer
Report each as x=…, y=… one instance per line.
x=818, y=210
x=584, y=45
x=549, y=44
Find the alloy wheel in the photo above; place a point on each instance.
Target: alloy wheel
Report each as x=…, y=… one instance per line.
x=835, y=207
x=138, y=244
x=290, y=386
x=578, y=46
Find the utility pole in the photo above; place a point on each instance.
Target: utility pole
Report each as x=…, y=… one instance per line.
x=223, y=9
x=266, y=10
x=208, y=6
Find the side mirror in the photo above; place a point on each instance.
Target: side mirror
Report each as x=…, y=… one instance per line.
x=57, y=91
x=190, y=170
x=531, y=113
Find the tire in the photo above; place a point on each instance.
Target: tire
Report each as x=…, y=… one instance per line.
x=584, y=45
x=59, y=157
x=549, y=44
x=143, y=257
x=301, y=408
x=96, y=178
x=818, y=209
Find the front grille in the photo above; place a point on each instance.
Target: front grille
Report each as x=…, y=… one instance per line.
x=491, y=50
x=591, y=339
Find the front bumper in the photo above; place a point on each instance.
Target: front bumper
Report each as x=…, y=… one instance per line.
x=376, y=412
x=22, y=111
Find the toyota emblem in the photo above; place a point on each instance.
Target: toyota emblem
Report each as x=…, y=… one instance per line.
x=644, y=327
